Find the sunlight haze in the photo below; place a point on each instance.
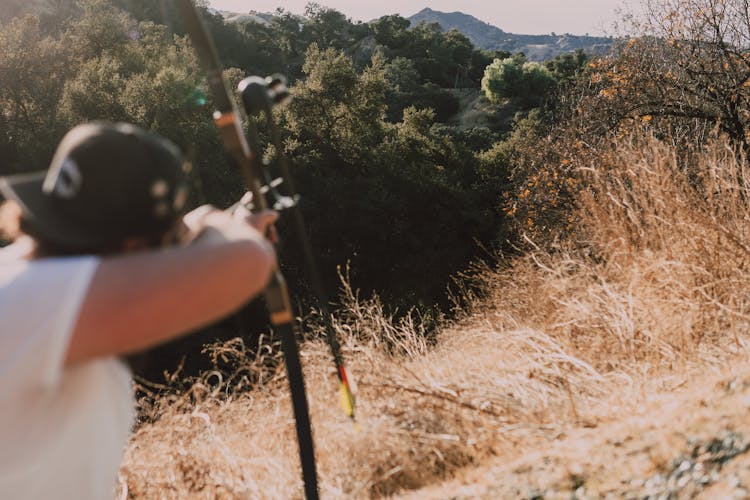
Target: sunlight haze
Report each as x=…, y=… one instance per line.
x=515, y=16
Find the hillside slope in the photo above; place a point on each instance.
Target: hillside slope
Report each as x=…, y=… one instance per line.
x=615, y=369
x=462, y=421
x=489, y=37
x=690, y=442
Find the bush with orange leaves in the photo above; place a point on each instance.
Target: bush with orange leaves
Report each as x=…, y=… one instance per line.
x=683, y=72
x=685, y=69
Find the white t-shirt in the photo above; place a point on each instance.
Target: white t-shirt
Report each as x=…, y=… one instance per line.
x=62, y=430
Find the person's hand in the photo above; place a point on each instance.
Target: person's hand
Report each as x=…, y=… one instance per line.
x=207, y=224
x=263, y=221
x=208, y=219
x=195, y=220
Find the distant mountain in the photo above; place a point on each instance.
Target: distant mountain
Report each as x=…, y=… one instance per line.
x=481, y=34
x=263, y=18
x=489, y=37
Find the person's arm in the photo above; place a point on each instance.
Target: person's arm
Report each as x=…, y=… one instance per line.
x=141, y=299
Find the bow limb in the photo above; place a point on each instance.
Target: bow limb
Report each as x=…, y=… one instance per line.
x=276, y=294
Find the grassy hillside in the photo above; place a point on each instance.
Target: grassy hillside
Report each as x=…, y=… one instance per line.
x=618, y=194
x=649, y=298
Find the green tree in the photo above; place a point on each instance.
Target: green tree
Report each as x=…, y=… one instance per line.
x=391, y=31
x=151, y=80
x=401, y=202
x=327, y=27
x=402, y=75
x=94, y=93
x=567, y=68
x=480, y=59
x=406, y=92
x=103, y=29
x=528, y=83
x=335, y=110
x=458, y=50
x=33, y=69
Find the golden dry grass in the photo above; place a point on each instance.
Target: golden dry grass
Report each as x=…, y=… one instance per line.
x=651, y=291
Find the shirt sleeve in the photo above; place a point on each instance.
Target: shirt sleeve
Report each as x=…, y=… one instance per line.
x=39, y=305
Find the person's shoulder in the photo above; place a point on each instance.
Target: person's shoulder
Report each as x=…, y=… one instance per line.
x=14, y=261
x=15, y=253
x=53, y=283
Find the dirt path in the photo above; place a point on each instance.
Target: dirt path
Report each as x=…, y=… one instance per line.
x=690, y=443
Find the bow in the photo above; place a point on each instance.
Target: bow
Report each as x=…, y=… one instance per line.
x=258, y=97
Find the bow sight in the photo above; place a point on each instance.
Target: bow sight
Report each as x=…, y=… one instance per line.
x=258, y=96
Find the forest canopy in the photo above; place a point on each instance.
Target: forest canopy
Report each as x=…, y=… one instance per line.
x=389, y=186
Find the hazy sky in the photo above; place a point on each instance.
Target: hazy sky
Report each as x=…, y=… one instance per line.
x=516, y=16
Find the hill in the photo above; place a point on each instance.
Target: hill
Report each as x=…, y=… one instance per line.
x=489, y=37
x=252, y=16
x=484, y=35
x=690, y=442
x=480, y=33
x=613, y=370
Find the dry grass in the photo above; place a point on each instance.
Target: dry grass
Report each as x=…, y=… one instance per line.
x=653, y=290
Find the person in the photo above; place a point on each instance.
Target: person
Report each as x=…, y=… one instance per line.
x=94, y=273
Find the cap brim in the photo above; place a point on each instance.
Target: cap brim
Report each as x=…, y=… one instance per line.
x=24, y=189
x=38, y=211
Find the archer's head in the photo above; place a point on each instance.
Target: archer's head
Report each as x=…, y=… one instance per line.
x=109, y=184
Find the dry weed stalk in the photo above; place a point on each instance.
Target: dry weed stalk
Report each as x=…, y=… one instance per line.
x=652, y=289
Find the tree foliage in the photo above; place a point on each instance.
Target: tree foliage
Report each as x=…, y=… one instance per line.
x=404, y=194
x=402, y=197
x=33, y=71
x=528, y=83
x=684, y=73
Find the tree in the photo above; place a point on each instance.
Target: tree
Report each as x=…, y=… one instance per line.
x=566, y=68
x=150, y=80
x=337, y=111
x=439, y=57
x=102, y=29
x=480, y=59
x=327, y=27
x=94, y=93
x=405, y=195
x=402, y=74
x=406, y=92
x=528, y=83
x=685, y=72
x=391, y=31
x=33, y=69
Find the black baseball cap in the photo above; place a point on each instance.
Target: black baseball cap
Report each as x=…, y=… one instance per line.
x=107, y=182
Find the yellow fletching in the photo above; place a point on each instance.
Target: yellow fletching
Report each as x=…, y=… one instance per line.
x=345, y=401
